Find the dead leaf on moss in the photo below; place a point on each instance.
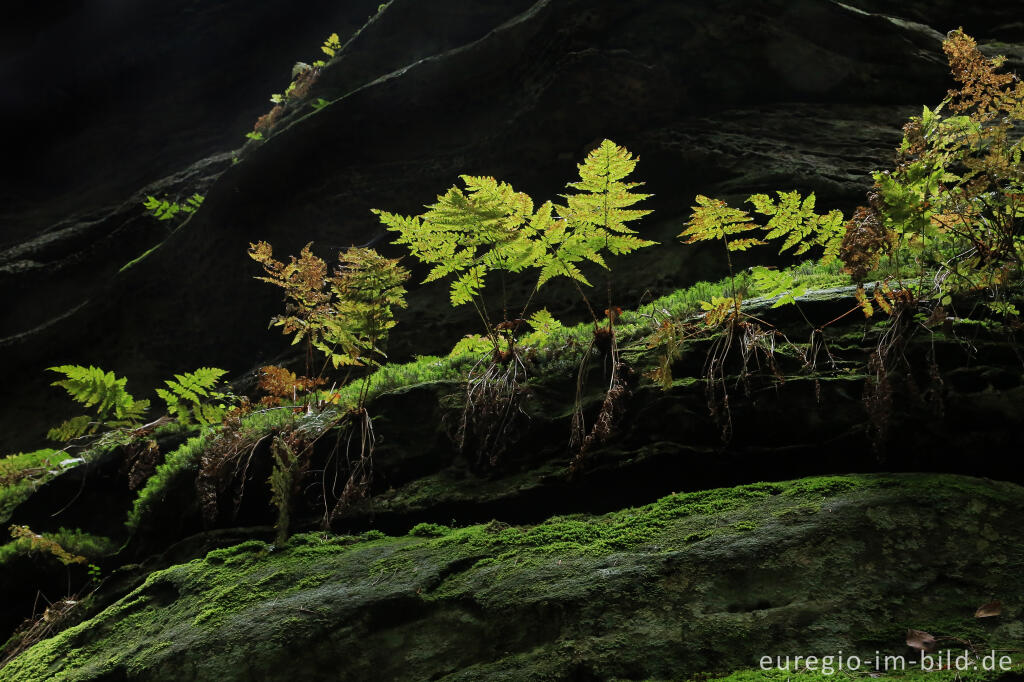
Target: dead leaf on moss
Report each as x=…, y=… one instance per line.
x=993, y=608
x=920, y=640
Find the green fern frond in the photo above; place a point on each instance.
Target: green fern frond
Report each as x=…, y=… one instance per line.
x=187, y=396
x=604, y=199
x=594, y=220
x=544, y=325
x=776, y=283
x=104, y=391
x=793, y=218
x=468, y=233
x=73, y=428
x=714, y=219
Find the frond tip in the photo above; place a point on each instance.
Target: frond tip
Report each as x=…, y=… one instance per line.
x=103, y=391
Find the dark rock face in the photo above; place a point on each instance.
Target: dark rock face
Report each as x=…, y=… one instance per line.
x=100, y=99
x=723, y=98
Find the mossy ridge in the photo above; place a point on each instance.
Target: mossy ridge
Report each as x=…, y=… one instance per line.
x=74, y=541
x=554, y=359
x=22, y=473
x=232, y=591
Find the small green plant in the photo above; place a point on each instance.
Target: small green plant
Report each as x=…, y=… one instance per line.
x=104, y=391
x=793, y=220
x=166, y=209
x=330, y=47
x=95, y=574
x=490, y=231
x=470, y=235
x=304, y=76
x=594, y=219
x=346, y=317
x=284, y=482
x=954, y=203
x=34, y=542
x=22, y=473
x=192, y=398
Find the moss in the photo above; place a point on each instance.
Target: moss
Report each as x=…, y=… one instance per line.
x=622, y=594
x=74, y=541
x=827, y=486
x=22, y=473
x=429, y=530
x=182, y=460
x=185, y=459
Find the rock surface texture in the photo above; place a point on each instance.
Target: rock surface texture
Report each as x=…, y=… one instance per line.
x=479, y=540
x=707, y=581
x=722, y=98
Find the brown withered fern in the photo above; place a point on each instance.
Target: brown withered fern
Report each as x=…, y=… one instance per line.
x=140, y=461
x=283, y=384
x=865, y=240
x=983, y=91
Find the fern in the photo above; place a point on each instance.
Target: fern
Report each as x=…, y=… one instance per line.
x=794, y=219
x=594, y=219
x=366, y=287
x=331, y=45
x=346, y=317
x=863, y=301
x=714, y=219
x=191, y=397
x=719, y=309
x=778, y=283
x=103, y=391
x=966, y=225
x=791, y=218
x=467, y=234
x=23, y=535
x=164, y=209
x=279, y=383
x=488, y=227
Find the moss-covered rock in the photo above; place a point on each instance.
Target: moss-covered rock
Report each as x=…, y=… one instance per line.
x=706, y=581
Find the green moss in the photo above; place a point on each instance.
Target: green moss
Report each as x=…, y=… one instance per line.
x=827, y=486
x=22, y=473
x=177, y=463
x=625, y=584
x=184, y=461
x=429, y=530
x=73, y=541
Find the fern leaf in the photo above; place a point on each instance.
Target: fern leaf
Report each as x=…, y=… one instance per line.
x=780, y=284
x=714, y=219
x=793, y=219
x=92, y=387
x=604, y=200
x=719, y=309
x=188, y=396
x=72, y=428
x=863, y=302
